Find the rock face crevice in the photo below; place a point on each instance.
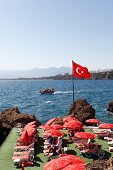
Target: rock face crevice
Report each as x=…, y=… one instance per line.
x=3, y=134
x=82, y=110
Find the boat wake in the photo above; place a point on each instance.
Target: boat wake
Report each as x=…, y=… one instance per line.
x=49, y=101
x=62, y=92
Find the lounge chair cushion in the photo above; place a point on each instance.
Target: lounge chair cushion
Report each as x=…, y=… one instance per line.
x=111, y=149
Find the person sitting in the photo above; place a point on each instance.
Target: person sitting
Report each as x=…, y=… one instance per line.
x=55, y=140
x=71, y=133
x=59, y=145
x=50, y=140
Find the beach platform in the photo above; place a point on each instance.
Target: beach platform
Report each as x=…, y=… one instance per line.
x=7, y=149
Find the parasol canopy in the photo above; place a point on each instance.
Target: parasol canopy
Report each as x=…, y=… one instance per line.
x=32, y=123
x=31, y=131
x=92, y=121
x=25, y=137
x=55, y=126
x=78, y=166
x=29, y=126
x=69, y=118
x=73, y=124
x=62, y=162
x=106, y=126
x=54, y=133
x=85, y=135
x=51, y=121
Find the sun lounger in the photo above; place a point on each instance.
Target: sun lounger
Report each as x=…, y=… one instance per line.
x=95, y=151
x=101, y=130
x=19, y=131
x=101, y=133
x=108, y=139
x=23, y=156
x=24, y=148
x=78, y=141
x=110, y=143
x=111, y=149
x=24, y=152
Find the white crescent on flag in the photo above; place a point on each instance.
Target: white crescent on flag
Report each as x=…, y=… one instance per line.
x=79, y=71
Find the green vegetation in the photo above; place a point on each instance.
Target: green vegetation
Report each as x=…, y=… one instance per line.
x=6, y=151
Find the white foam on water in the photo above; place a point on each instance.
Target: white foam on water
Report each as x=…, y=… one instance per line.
x=49, y=101
x=62, y=92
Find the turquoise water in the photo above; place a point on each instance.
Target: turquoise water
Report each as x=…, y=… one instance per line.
x=25, y=94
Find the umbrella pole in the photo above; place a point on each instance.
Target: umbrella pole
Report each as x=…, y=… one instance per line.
x=72, y=78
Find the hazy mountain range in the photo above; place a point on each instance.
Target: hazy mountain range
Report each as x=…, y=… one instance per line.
x=36, y=72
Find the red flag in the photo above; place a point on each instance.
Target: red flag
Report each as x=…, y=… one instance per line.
x=79, y=71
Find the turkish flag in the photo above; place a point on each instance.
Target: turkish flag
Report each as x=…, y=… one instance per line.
x=79, y=71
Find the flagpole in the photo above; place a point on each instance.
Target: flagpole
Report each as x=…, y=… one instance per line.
x=73, y=84
x=73, y=89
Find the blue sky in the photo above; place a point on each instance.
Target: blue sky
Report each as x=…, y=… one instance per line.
x=52, y=33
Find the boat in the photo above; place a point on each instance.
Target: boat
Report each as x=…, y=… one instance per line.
x=47, y=91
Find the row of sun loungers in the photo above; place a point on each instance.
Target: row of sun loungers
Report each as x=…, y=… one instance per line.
x=24, y=149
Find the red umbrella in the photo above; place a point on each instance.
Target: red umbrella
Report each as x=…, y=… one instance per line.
x=93, y=121
x=106, y=126
x=78, y=166
x=55, y=126
x=69, y=118
x=53, y=132
x=62, y=162
x=32, y=123
x=73, y=125
x=51, y=121
x=31, y=131
x=29, y=126
x=85, y=135
x=25, y=137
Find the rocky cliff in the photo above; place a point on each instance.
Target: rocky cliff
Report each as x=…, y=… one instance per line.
x=110, y=107
x=82, y=110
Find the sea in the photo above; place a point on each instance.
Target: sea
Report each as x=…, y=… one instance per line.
x=26, y=96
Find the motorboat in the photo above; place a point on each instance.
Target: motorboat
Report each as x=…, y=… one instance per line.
x=47, y=91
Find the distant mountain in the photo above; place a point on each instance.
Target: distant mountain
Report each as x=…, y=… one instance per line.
x=98, y=75
x=36, y=72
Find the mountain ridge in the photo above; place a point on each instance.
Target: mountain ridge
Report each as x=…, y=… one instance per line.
x=54, y=73
x=35, y=72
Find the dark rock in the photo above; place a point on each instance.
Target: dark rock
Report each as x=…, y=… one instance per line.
x=82, y=110
x=110, y=107
x=11, y=110
x=59, y=121
x=4, y=131
x=101, y=165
